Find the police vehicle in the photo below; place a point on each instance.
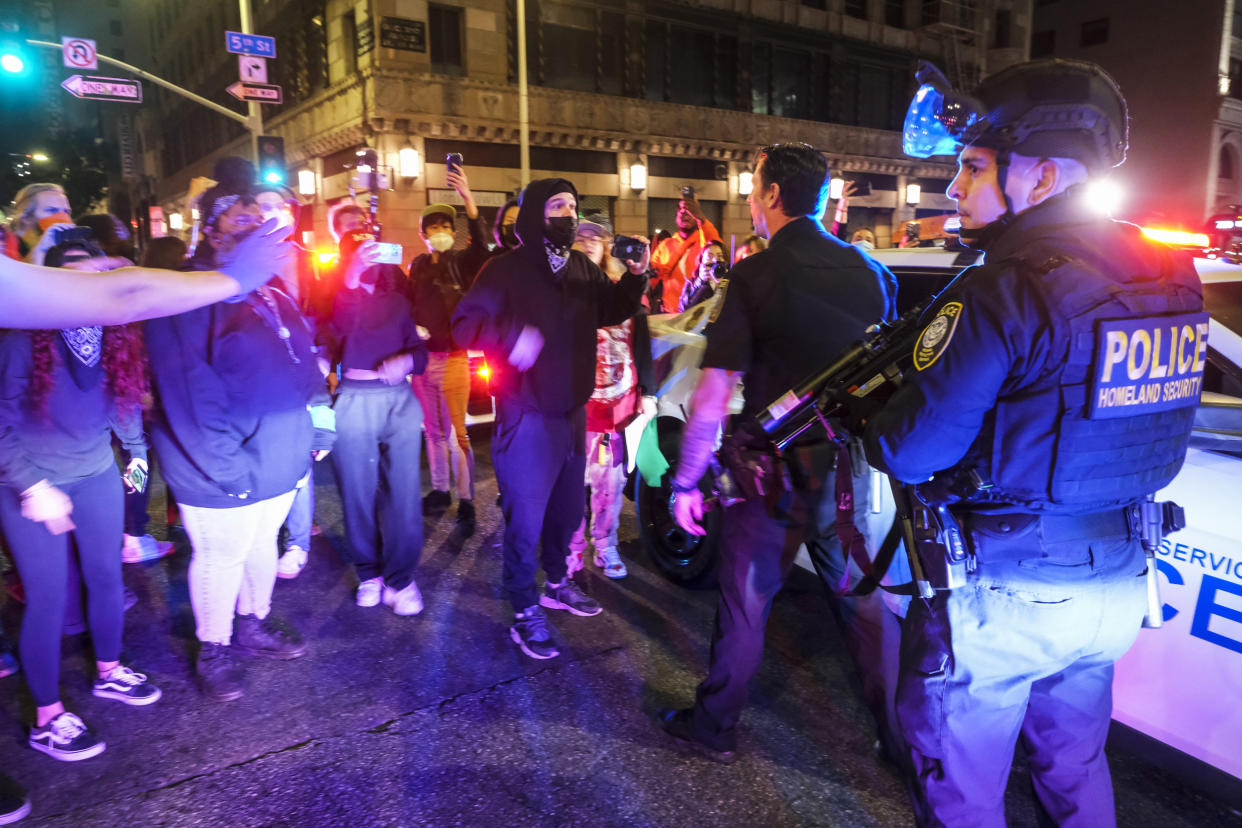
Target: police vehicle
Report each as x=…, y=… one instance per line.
x=1177, y=691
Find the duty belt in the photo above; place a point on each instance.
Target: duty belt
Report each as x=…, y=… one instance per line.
x=1013, y=536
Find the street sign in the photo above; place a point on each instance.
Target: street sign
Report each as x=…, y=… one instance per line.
x=261, y=92
x=252, y=69
x=103, y=89
x=79, y=53
x=250, y=44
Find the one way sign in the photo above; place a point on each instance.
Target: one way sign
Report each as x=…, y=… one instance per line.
x=103, y=89
x=261, y=92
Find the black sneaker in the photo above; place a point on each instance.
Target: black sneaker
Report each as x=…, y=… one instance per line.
x=676, y=723
x=14, y=804
x=435, y=502
x=127, y=687
x=219, y=674
x=569, y=597
x=267, y=638
x=530, y=632
x=465, y=517
x=67, y=739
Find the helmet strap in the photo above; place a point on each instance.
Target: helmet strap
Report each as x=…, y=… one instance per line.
x=982, y=237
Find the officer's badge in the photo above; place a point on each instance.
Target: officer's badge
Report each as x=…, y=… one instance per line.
x=935, y=337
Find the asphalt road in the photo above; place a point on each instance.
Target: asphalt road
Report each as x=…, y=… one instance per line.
x=440, y=720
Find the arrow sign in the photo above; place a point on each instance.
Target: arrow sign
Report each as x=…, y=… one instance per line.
x=262, y=92
x=103, y=89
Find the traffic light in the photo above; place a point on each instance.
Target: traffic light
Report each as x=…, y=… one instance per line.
x=272, y=159
x=15, y=56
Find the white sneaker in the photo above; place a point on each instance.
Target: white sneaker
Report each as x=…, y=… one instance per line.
x=291, y=563
x=369, y=592
x=408, y=601
x=609, y=560
x=140, y=548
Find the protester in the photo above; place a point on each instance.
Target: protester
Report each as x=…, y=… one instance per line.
x=750, y=247
x=863, y=239
x=623, y=380
x=67, y=299
x=37, y=208
x=234, y=383
x=505, y=229
x=63, y=394
x=713, y=262
x=376, y=345
x=535, y=311
x=673, y=260
x=438, y=280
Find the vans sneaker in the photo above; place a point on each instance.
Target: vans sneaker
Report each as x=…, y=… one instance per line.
x=568, y=596
x=67, y=739
x=369, y=592
x=292, y=562
x=14, y=804
x=405, y=601
x=530, y=632
x=126, y=686
x=609, y=560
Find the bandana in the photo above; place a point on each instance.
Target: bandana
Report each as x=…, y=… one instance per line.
x=85, y=343
x=223, y=203
x=557, y=256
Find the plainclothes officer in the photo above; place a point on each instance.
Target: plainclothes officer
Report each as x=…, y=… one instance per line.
x=785, y=312
x=1014, y=414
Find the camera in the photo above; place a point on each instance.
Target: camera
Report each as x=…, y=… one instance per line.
x=71, y=244
x=627, y=249
x=720, y=270
x=687, y=193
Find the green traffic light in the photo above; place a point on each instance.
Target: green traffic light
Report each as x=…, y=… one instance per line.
x=274, y=177
x=12, y=63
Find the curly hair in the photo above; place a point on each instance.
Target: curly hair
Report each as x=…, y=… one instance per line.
x=125, y=366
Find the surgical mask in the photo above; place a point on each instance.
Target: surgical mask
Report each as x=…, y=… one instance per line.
x=562, y=230
x=440, y=242
x=509, y=237
x=864, y=244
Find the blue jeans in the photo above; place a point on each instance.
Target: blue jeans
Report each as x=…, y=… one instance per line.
x=1024, y=650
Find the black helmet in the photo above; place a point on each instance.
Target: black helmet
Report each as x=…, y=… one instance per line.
x=1045, y=109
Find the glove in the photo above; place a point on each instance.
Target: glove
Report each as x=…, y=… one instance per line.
x=46, y=504
x=258, y=256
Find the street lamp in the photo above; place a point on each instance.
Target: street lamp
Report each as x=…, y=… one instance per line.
x=745, y=183
x=38, y=157
x=836, y=186
x=306, y=182
x=913, y=193
x=407, y=161
x=175, y=221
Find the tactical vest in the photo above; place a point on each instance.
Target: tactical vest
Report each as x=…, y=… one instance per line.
x=1040, y=447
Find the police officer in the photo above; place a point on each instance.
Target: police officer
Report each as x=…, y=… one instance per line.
x=784, y=312
x=1012, y=415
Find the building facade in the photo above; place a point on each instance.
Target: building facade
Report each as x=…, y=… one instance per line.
x=685, y=91
x=1180, y=67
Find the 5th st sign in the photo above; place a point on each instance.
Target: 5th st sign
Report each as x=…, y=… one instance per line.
x=262, y=92
x=103, y=89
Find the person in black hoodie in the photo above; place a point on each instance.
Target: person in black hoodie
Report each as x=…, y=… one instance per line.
x=374, y=340
x=438, y=280
x=241, y=404
x=535, y=310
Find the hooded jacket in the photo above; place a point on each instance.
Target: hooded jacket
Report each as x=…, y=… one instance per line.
x=519, y=288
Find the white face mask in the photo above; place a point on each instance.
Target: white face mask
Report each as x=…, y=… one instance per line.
x=440, y=242
x=864, y=244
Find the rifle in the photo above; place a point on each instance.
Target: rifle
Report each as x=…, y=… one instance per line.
x=843, y=392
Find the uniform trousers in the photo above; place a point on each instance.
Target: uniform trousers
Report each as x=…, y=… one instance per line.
x=758, y=545
x=376, y=459
x=540, y=461
x=43, y=560
x=1024, y=650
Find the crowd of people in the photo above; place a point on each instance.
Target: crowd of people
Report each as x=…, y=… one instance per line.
x=257, y=368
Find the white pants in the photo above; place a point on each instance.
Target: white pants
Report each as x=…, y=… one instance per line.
x=233, y=568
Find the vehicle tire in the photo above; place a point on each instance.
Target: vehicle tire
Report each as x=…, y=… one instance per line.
x=685, y=559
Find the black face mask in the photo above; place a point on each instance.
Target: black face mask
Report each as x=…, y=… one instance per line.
x=508, y=237
x=561, y=230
